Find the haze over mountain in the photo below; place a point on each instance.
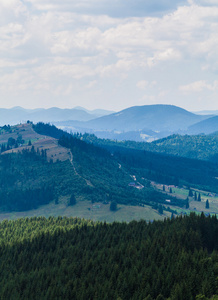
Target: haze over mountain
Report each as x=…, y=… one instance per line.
x=96, y=112
x=18, y=114
x=154, y=117
x=206, y=126
x=139, y=123
x=206, y=112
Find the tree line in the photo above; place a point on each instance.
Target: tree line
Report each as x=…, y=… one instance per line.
x=70, y=258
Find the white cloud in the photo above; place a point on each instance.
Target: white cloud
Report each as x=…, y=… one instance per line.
x=51, y=45
x=199, y=86
x=142, y=84
x=91, y=84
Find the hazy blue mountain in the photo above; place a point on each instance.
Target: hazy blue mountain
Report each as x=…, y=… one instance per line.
x=96, y=112
x=207, y=112
x=206, y=126
x=138, y=136
x=149, y=117
x=18, y=114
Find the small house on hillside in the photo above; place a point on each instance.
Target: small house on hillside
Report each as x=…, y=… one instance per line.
x=136, y=185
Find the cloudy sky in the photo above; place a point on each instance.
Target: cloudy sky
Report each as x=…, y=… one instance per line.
x=109, y=54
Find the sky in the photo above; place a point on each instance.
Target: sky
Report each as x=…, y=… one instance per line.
x=109, y=54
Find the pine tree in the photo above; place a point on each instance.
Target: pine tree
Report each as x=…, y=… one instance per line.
x=187, y=203
x=113, y=206
x=72, y=200
x=190, y=193
x=195, y=196
x=199, y=197
x=160, y=209
x=207, y=205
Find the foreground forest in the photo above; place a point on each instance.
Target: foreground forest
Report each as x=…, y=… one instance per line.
x=65, y=258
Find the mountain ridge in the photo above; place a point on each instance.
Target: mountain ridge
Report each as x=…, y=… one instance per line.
x=19, y=114
x=207, y=126
x=147, y=122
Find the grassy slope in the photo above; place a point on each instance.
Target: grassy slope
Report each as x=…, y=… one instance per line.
x=54, y=150
x=193, y=205
x=87, y=210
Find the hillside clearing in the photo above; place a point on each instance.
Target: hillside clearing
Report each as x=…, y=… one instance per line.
x=85, y=209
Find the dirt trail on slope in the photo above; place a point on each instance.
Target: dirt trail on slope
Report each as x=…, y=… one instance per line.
x=88, y=182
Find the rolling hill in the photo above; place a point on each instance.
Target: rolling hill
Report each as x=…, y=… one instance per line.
x=42, y=165
x=202, y=147
x=153, y=117
x=36, y=163
x=137, y=123
x=206, y=126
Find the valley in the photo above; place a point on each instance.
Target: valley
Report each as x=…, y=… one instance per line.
x=68, y=201
x=75, y=166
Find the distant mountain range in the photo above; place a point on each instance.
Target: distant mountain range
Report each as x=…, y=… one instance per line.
x=206, y=112
x=97, y=112
x=206, y=126
x=18, y=114
x=139, y=123
x=148, y=117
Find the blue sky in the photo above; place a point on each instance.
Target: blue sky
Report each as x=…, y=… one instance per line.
x=109, y=54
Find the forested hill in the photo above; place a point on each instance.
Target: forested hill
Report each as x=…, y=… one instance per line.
x=161, y=167
x=154, y=117
x=30, y=178
x=153, y=166
x=202, y=147
x=62, y=258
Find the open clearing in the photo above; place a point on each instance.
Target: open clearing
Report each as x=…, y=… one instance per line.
x=87, y=210
x=198, y=207
x=40, y=142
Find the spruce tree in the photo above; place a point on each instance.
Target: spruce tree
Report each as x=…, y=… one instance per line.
x=187, y=203
x=113, y=206
x=72, y=200
x=190, y=193
x=160, y=209
x=207, y=205
x=199, y=197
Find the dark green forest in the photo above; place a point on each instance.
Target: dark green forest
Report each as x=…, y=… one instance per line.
x=202, y=147
x=176, y=169
x=158, y=167
x=28, y=180
x=66, y=258
x=170, y=169
x=108, y=181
